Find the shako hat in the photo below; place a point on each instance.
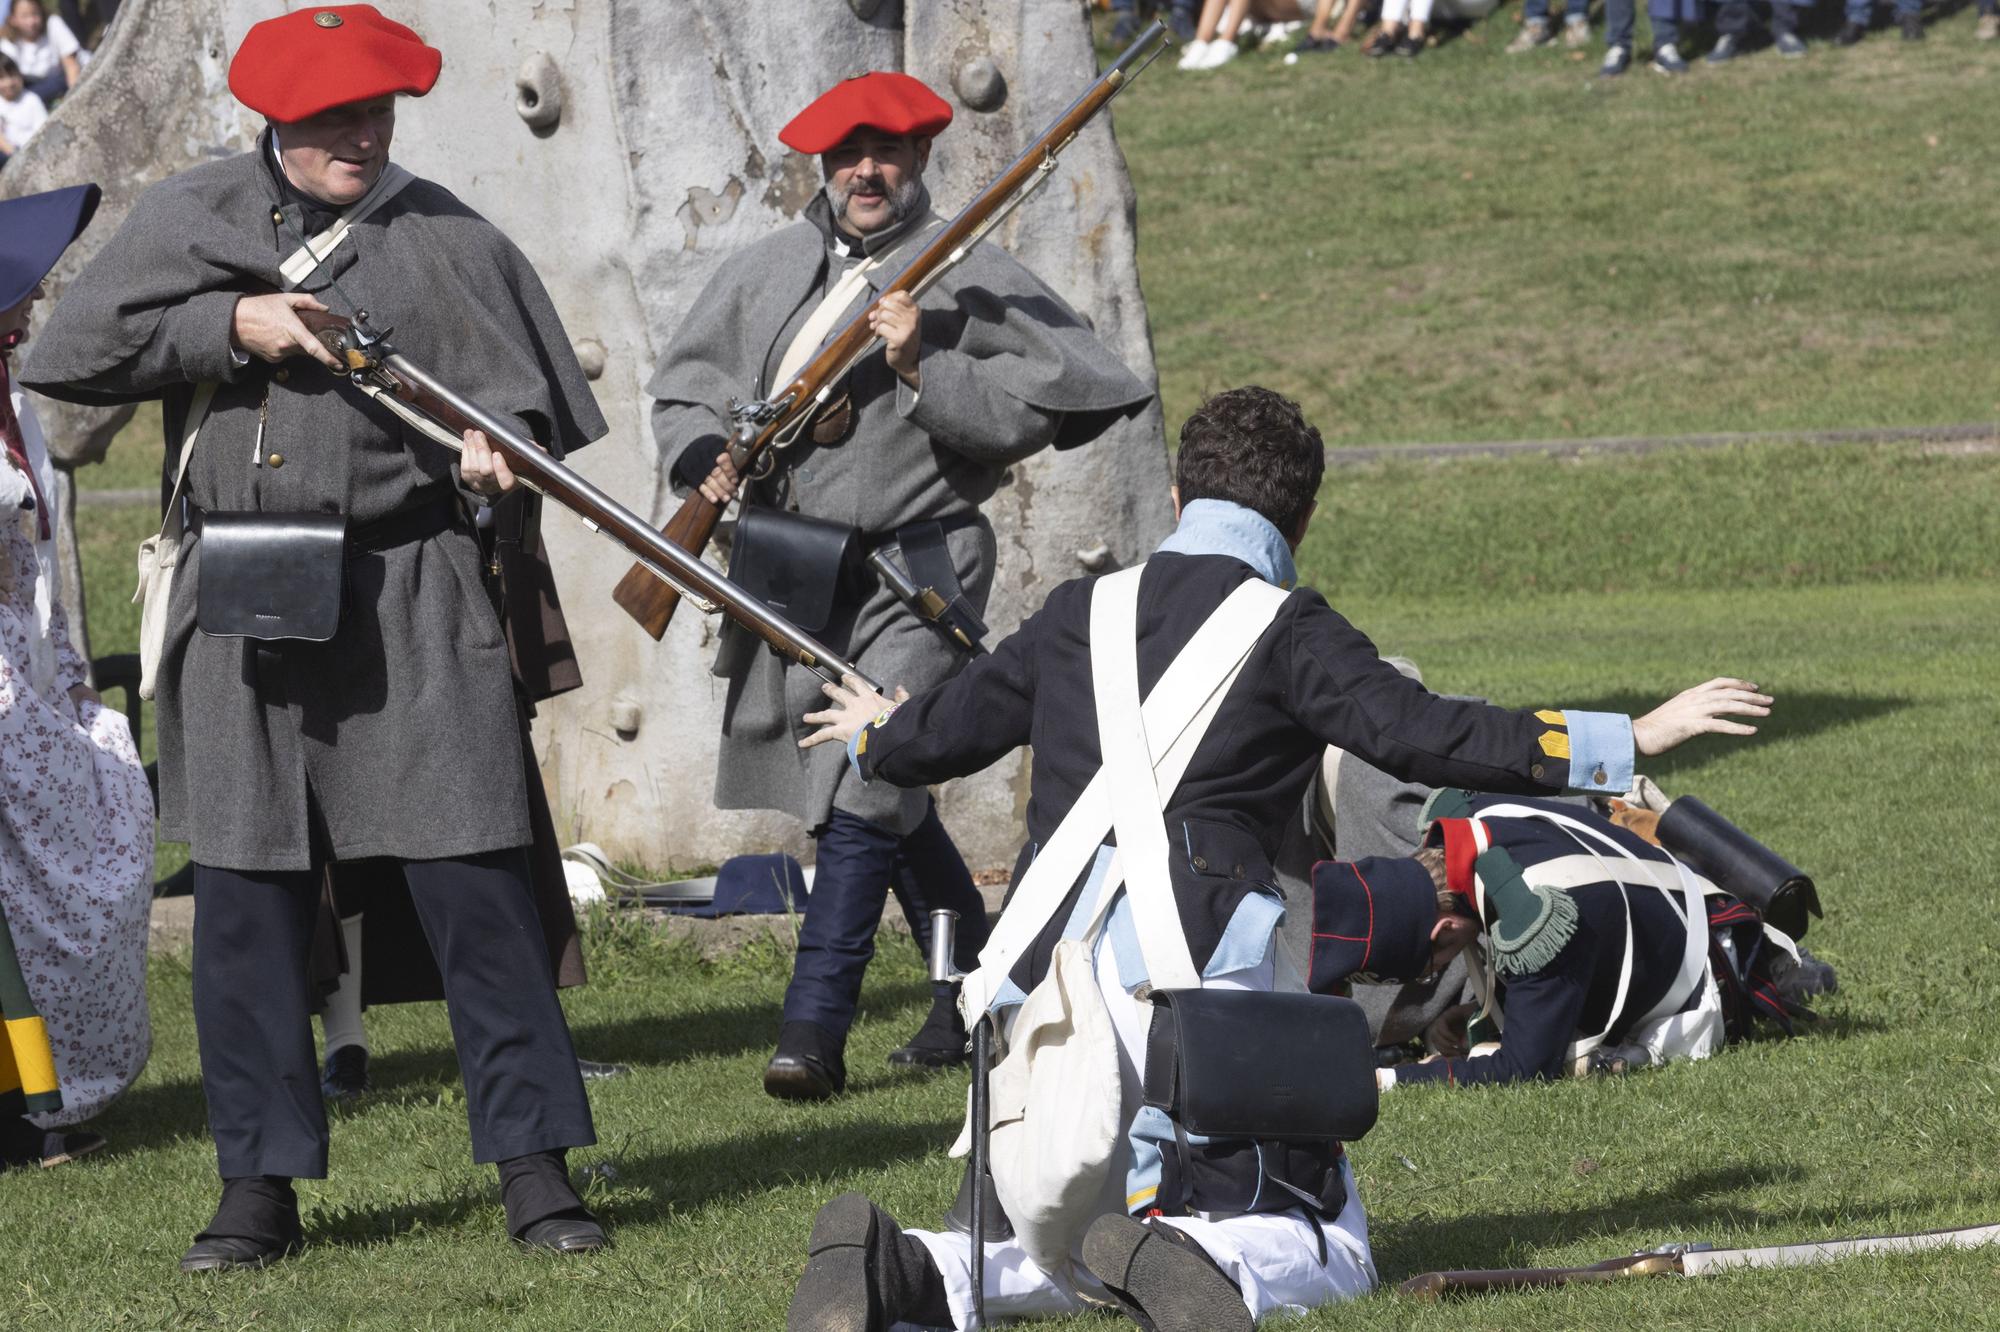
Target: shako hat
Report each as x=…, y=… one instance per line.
x=35, y=229
x=304, y=62
x=883, y=100
x=1526, y=924
x=1370, y=917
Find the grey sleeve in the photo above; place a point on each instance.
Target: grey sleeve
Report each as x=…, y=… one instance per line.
x=967, y=412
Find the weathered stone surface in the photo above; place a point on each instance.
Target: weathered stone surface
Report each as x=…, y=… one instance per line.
x=663, y=161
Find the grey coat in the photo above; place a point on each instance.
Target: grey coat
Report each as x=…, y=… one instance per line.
x=404, y=727
x=1007, y=369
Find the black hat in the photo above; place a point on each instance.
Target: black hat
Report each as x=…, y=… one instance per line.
x=1372, y=917
x=35, y=229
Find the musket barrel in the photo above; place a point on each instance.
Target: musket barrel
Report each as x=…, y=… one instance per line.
x=571, y=489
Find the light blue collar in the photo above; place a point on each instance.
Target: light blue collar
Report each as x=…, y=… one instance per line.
x=1218, y=527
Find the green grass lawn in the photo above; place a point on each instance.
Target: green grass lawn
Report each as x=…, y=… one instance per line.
x=1456, y=249
x=1871, y=773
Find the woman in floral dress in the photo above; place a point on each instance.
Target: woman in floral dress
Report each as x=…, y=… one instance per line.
x=76, y=818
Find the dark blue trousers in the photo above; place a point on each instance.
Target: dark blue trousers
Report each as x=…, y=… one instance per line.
x=858, y=865
x=253, y=1006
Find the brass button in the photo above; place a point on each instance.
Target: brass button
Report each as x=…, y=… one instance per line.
x=1598, y=776
x=277, y=216
x=1236, y=873
x=275, y=459
x=326, y=18
x=283, y=376
x=1201, y=864
x=1536, y=772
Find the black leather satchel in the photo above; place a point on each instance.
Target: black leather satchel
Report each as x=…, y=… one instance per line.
x=1261, y=1064
x=802, y=566
x=271, y=576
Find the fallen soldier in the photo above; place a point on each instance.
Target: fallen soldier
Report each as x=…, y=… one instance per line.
x=1589, y=948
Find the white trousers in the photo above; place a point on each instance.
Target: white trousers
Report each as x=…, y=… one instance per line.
x=1273, y=1259
x=1406, y=11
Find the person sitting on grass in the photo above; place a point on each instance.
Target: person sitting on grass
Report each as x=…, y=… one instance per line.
x=1325, y=36
x=1222, y=22
x=1229, y=1234
x=21, y=112
x=47, y=51
x=1591, y=946
x=1404, y=29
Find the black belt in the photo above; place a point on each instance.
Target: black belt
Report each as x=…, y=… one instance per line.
x=874, y=541
x=416, y=523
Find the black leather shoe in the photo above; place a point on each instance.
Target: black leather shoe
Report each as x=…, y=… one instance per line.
x=1850, y=33
x=863, y=1274
x=808, y=1064
x=565, y=1234
x=346, y=1074
x=233, y=1253
x=941, y=1041
x=1161, y=1278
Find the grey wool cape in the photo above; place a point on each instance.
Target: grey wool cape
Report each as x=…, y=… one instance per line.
x=1006, y=368
x=404, y=726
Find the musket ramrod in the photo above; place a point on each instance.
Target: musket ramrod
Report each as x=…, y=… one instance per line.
x=757, y=427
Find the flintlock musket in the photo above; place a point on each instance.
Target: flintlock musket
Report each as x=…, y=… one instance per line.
x=442, y=414
x=775, y=422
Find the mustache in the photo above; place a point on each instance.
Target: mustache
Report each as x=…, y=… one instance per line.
x=902, y=199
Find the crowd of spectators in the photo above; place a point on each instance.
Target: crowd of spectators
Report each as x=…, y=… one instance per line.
x=42, y=55
x=1213, y=32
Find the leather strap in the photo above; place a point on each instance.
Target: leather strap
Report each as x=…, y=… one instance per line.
x=1176, y=714
x=300, y=264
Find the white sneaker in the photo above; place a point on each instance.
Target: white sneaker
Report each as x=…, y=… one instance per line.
x=1220, y=52
x=1576, y=33
x=1285, y=29
x=1193, y=54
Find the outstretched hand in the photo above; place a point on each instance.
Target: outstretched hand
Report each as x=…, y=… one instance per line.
x=854, y=706
x=1702, y=710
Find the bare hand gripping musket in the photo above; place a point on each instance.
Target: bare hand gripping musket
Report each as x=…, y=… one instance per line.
x=442, y=414
x=759, y=426
x=1690, y=1260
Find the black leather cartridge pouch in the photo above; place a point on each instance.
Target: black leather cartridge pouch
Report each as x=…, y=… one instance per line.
x=802, y=567
x=1276, y=1067
x=272, y=576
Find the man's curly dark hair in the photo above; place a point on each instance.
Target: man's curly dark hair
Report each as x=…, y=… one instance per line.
x=1252, y=447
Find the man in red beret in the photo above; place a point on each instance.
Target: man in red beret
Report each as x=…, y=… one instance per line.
x=400, y=738
x=988, y=368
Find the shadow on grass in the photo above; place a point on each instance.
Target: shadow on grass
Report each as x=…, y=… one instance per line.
x=1795, y=716
x=672, y=1038
x=1689, y=1205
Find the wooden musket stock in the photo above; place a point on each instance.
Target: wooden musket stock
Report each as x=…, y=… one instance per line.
x=759, y=426
x=443, y=415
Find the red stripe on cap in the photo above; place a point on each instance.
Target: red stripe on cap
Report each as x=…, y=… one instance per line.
x=1368, y=950
x=1460, y=850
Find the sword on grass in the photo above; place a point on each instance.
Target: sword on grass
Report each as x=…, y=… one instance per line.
x=1691, y=1260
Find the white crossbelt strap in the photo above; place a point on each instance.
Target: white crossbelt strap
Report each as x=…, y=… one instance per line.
x=1174, y=717
x=299, y=265
x=1690, y=908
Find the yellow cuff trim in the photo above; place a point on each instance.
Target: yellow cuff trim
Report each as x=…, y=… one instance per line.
x=1555, y=744
x=861, y=742
x=1551, y=716
x=1142, y=1196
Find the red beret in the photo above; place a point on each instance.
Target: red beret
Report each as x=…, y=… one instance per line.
x=299, y=65
x=893, y=102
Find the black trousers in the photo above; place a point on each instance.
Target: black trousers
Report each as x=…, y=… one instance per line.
x=253, y=1006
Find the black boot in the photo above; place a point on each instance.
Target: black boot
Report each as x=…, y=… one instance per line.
x=1162, y=1278
x=543, y=1211
x=345, y=1077
x=256, y=1224
x=23, y=1144
x=807, y=1065
x=863, y=1274
x=941, y=1041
